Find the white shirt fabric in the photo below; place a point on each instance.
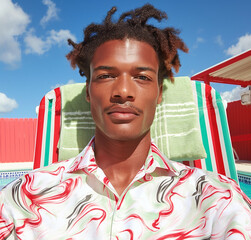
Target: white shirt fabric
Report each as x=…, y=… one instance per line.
x=74, y=199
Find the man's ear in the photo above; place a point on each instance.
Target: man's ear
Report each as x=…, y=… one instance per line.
x=87, y=95
x=160, y=94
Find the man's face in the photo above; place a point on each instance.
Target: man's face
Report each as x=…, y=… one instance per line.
x=123, y=91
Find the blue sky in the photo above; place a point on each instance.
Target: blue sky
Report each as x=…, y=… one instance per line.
x=33, y=42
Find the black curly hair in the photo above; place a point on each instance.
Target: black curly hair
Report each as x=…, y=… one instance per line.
x=132, y=24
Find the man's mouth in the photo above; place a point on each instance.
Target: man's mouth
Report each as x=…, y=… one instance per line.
x=122, y=110
x=122, y=113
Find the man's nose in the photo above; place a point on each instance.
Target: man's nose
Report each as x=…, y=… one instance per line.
x=123, y=89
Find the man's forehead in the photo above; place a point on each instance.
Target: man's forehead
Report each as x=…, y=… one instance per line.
x=124, y=51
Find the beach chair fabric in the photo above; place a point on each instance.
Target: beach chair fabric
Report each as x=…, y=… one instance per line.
x=175, y=126
x=176, y=123
x=215, y=132
x=48, y=129
x=212, y=122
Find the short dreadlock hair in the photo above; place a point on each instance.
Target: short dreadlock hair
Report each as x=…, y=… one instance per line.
x=132, y=25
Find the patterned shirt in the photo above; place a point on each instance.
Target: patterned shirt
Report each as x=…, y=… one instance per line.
x=74, y=199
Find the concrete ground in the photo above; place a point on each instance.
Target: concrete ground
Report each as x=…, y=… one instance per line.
x=243, y=165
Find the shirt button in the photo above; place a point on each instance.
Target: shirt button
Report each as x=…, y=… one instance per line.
x=148, y=177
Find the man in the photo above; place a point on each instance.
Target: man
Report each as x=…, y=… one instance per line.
x=120, y=186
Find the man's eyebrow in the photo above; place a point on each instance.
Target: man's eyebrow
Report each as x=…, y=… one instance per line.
x=145, y=69
x=104, y=68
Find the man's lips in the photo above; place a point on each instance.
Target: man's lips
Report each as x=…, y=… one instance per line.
x=123, y=108
x=123, y=112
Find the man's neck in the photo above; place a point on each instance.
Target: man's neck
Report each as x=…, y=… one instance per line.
x=121, y=160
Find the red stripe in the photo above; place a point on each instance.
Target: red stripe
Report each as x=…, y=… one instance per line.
x=197, y=163
x=214, y=131
x=227, y=81
x=56, y=124
x=187, y=163
x=40, y=126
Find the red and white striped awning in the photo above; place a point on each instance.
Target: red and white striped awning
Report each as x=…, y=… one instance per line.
x=235, y=70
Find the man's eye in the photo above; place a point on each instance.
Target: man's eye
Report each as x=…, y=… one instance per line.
x=142, y=77
x=105, y=76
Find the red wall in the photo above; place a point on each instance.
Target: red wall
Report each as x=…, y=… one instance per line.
x=17, y=139
x=239, y=120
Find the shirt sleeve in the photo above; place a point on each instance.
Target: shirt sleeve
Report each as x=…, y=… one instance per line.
x=233, y=219
x=6, y=221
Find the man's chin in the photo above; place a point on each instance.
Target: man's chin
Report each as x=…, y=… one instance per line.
x=127, y=136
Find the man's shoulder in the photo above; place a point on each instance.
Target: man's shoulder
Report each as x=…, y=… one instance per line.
x=199, y=176
x=203, y=184
x=195, y=175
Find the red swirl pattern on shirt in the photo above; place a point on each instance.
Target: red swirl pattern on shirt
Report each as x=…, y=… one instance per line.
x=75, y=200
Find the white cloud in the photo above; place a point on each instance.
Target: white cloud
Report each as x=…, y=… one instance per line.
x=60, y=37
x=52, y=12
x=7, y=104
x=198, y=41
x=233, y=95
x=35, y=44
x=39, y=46
x=219, y=41
x=71, y=81
x=13, y=23
x=243, y=44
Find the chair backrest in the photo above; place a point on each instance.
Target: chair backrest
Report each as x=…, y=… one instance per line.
x=65, y=126
x=48, y=129
x=215, y=132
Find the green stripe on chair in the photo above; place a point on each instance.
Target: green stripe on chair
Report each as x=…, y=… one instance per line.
x=48, y=134
x=226, y=136
x=203, y=126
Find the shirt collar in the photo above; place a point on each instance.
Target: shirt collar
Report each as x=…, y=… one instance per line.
x=155, y=159
x=85, y=159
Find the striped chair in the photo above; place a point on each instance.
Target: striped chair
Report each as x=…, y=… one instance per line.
x=48, y=129
x=214, y=131
x=212, y=122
